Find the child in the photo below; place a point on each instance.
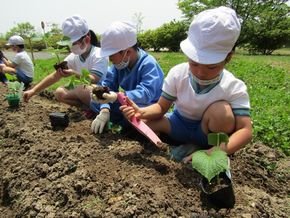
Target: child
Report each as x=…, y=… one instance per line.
x=84, y=56
x=21, y=65
x=134, y=71
x=207, y=98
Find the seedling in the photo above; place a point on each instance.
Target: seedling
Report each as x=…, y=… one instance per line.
x=211, y=165
x=15, y=93
x=84, y=79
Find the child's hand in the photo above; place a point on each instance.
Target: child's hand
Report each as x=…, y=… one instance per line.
x=28, y=94
x=130, y=110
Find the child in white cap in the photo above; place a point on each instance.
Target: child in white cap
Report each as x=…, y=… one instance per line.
x=206, y=97
x=84, y=56
x=135, y=72
x=21, y=65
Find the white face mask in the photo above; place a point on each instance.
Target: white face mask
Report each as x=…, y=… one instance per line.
x=76, y=49
x=207, y=82
x=123, y=64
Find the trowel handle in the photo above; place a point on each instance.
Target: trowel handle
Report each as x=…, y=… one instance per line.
x=123, y=101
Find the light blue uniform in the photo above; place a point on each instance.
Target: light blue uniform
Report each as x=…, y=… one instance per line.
x=142, y=84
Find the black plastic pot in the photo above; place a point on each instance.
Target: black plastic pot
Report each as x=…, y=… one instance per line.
x=221, y=197
x=58, y=119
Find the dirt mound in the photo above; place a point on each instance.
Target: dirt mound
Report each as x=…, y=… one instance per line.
x=74, y=173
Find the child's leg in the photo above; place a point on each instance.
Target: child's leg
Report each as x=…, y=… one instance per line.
x=218, y=117
x=66, y=96
x=161, y=125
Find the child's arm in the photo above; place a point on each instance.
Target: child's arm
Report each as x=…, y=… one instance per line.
x=242, y=135
x=44, y=83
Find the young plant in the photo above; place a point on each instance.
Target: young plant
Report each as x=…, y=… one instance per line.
x=15, y=93
x=211, y=165
x=15, y=88
x=84, y=79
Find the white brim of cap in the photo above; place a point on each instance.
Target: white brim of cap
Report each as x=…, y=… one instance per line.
x=107, y=52
x=199, y=56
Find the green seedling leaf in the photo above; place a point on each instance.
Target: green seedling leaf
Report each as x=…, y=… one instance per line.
x=211, y=165
x=10, y=77
x=16, y=88
x=64, y=43
x=70, y=85
x=217, y=138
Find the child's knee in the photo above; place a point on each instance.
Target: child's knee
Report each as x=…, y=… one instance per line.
x=219, y=117
x=59, y=94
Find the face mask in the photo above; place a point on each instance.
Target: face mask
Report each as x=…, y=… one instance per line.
x=76, y=49
x=123, y=64
x=206, y=82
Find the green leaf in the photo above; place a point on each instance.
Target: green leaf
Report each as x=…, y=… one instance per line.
x=64, y=43
x=217, y=138
x=211, y=165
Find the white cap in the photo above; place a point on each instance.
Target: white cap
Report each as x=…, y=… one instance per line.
x=15, y=40
x=75, y=27
x=117, y=37
x=212, y=35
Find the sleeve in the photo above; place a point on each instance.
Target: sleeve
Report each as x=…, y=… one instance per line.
x=111, y=80
x=149, y=88
x=99, y=66
x=239, y=100
x=17, y=59
x=169, y=90
x=70, y=61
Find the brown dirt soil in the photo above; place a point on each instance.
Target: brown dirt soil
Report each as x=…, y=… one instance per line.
x=74, y=173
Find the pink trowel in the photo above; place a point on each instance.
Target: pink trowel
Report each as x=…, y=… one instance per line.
x=139, y=124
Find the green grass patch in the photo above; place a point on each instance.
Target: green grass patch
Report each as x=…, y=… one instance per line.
x=267, y=78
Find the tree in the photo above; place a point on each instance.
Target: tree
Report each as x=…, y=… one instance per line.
x=138, y=20
x=252, y=14
x=26, y=30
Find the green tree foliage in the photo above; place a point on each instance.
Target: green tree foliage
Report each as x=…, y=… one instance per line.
x=169, y=36
x=266, y=19
x=26, y=30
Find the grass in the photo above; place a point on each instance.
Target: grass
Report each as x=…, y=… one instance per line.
x=267, y=79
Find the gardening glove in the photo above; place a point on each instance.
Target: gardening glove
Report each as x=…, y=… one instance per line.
x=108, y=97
x=100, y=122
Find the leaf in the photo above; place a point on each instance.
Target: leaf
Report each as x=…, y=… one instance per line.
x=64, y=43
x=217, y=138
x=211, y=165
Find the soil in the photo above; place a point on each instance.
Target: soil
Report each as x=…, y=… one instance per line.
x=100, y=90
x=74, y=173
x=62, y=65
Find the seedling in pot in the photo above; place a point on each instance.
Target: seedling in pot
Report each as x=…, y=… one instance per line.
x=15, y=93
x=214, y=167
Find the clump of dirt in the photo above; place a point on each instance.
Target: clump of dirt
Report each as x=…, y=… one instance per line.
x=99, y=91
x=62, y=65
x=74, y=173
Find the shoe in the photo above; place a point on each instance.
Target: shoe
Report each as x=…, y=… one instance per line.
x=89, y=114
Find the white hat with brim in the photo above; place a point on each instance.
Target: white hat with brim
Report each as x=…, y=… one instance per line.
x=15, y=40
x=75, y=27
x=201, y=56
x=212, y=35
x=117, y=37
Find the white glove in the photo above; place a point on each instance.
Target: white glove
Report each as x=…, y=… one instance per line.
x=108, y=97
x=100, y=122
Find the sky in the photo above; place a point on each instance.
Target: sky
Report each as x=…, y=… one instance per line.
x=98, y=14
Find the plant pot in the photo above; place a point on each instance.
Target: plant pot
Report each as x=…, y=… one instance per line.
x=58, y=119
x=220, y=194
x=13, y=100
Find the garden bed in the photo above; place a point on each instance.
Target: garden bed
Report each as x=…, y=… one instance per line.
x=74, y=173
